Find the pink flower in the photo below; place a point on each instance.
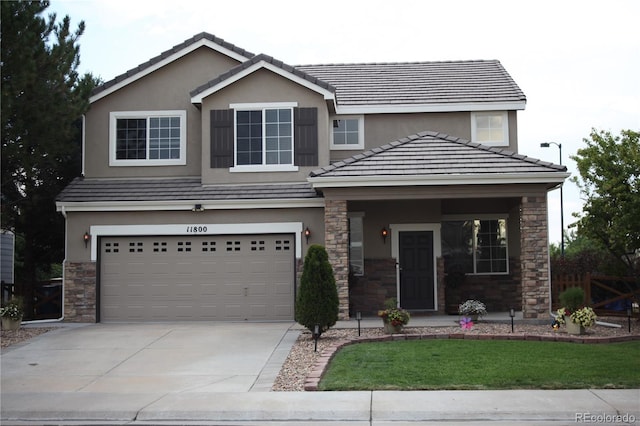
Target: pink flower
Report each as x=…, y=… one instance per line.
x=466, y=323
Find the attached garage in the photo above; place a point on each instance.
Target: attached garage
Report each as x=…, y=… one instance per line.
x=196, y=278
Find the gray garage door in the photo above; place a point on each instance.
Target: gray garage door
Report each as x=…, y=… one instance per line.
x=196, y=278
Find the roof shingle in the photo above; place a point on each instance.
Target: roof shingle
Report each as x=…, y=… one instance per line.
x=182, y=189
x=418, y=82
x=432, y=154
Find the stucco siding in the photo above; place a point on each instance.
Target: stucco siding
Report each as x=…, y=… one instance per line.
x=380, y=129
x=80, y=222
x=164, y=89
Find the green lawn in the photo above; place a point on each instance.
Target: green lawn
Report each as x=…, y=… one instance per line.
x=483, y=364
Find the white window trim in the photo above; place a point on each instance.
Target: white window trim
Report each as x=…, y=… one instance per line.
x=459, y=217
x=264, y=168
x=360, y=144
x=113, y=121
x=361, y=243
x=505, y=127
x=248, y=168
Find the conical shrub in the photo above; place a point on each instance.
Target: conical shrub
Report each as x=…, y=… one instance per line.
x=317, y=301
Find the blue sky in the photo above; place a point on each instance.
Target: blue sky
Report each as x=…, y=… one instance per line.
x=576, y=61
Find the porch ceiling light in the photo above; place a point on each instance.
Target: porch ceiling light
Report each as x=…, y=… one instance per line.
x=197, y=208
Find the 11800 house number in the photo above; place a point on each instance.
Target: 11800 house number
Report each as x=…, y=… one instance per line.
x=196, y=229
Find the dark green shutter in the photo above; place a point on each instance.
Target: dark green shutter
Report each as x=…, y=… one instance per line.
x=222, y=138
x=305, y=123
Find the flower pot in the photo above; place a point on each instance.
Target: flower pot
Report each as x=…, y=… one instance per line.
x=392, y=329
x=573, y=328
x=10, y=323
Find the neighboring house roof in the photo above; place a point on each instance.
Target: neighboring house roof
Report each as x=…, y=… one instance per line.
x=189, y=45
x=121, y=194
x=431, y=158
x=256, y=63
x=420, y=86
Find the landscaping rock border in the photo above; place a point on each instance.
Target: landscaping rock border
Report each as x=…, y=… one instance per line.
x=322, y=362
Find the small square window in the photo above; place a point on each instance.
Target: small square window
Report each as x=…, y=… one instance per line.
x=347, y=133
x=490, y=128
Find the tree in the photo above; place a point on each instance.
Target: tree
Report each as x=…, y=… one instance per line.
x=317, y=301
x=609, y=168
x=43, y=99
x=583, y=255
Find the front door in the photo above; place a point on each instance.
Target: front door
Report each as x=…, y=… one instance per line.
x=416, y=270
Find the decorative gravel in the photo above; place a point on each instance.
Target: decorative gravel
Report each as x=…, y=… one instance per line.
x=302, y=357
x=11, y=337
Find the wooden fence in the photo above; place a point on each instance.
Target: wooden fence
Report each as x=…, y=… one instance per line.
x=47, y=299
x=607, y=295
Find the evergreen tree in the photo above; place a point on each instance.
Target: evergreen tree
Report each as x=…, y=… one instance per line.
x=318, y=296
x=43, y=99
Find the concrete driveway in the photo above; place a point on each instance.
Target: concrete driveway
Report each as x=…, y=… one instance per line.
x=149, y=358
x=220, y=373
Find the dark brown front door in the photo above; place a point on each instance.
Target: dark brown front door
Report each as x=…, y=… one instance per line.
x=416, y=270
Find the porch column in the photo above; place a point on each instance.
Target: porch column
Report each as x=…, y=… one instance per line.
x=534, y=257
x=336, y=237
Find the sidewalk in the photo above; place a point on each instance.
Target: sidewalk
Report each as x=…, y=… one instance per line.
x=314, y=408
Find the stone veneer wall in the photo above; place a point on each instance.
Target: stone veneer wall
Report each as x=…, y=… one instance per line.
x=535, y=257
x=499, y=292
x=80, y=292
x=336, y=236
x=368, y=292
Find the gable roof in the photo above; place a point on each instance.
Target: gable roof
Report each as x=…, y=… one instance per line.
x=168, y=56
x=256, y=63
x=431, y=158
x=402, y=87
x=420, y=86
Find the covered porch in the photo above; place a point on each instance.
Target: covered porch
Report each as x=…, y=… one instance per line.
x=433, y=221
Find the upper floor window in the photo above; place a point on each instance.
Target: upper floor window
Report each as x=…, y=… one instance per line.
x=348, y=133
x=264, y=136
x=273, y=137
x=490, y=128
x=147, y=138
x=476, y=246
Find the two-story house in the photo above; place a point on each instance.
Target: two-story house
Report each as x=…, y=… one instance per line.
x=208, y=171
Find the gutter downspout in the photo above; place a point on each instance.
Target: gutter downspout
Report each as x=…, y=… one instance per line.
x=83, y=145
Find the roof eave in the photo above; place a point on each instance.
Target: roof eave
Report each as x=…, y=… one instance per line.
x=435, y=107
x=186, y=205
x=327, y=94
x=171, y=58
x=554, y=178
